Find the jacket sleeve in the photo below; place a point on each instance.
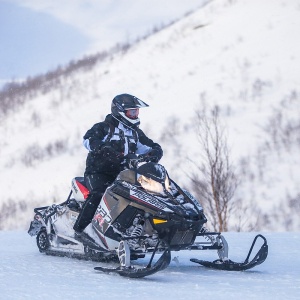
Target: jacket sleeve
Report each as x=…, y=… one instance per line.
x=145, y=141
x=94, y=138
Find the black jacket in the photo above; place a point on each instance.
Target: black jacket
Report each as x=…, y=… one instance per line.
x=109, y=141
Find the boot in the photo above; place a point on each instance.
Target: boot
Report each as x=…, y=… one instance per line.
x=85, y=217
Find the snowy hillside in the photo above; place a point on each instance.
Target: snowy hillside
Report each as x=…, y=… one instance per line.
x=27, y=274
x=241, y=55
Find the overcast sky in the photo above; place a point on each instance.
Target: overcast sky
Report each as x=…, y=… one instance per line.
x=38, y=35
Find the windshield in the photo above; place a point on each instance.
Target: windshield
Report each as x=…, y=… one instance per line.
x=153, y=186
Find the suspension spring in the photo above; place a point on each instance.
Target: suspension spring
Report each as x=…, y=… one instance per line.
x=137, y=231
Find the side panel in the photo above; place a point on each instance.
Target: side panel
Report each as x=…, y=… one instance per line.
x=63, y=222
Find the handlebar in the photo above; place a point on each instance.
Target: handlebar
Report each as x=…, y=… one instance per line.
x=132, y=160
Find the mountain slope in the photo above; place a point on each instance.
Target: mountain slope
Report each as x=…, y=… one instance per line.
x=242, y=56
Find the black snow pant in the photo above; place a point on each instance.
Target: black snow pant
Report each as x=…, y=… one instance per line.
x=97, y=184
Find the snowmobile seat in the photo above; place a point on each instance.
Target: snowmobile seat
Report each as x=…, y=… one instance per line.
x=80, y=180
x=79, y=189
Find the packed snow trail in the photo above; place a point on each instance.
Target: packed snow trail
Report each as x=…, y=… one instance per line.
x=27, y=274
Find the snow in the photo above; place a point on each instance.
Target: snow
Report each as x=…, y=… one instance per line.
x=25, y=273
x=241, y=55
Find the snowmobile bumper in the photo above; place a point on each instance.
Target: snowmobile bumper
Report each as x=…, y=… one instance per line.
x=229, y=265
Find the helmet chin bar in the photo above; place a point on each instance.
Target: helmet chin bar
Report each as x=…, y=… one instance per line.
x=127, y=121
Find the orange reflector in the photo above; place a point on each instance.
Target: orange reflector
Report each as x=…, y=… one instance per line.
x=159, y=221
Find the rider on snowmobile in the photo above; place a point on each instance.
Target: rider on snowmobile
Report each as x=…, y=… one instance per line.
x=108, y=143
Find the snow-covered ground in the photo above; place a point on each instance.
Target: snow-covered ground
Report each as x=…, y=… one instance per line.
x=27, y=274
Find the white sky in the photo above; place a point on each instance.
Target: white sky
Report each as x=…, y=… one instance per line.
x=109, y=21
x=39, y=35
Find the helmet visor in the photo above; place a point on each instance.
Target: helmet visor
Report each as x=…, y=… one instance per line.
x=132, y=113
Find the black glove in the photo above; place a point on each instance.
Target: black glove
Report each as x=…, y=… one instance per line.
x=131, y=160
x=154, y=155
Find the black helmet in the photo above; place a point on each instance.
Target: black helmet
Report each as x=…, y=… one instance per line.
x=125, y=108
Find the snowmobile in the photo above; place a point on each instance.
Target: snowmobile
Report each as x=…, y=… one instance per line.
x=144, y=213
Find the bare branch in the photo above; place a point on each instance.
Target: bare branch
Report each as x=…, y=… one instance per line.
x=215, y=183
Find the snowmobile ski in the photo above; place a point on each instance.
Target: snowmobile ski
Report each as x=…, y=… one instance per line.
x=133, y=272
x=229, y=265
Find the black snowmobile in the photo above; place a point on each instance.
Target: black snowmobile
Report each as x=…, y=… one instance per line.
x=142, y=213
